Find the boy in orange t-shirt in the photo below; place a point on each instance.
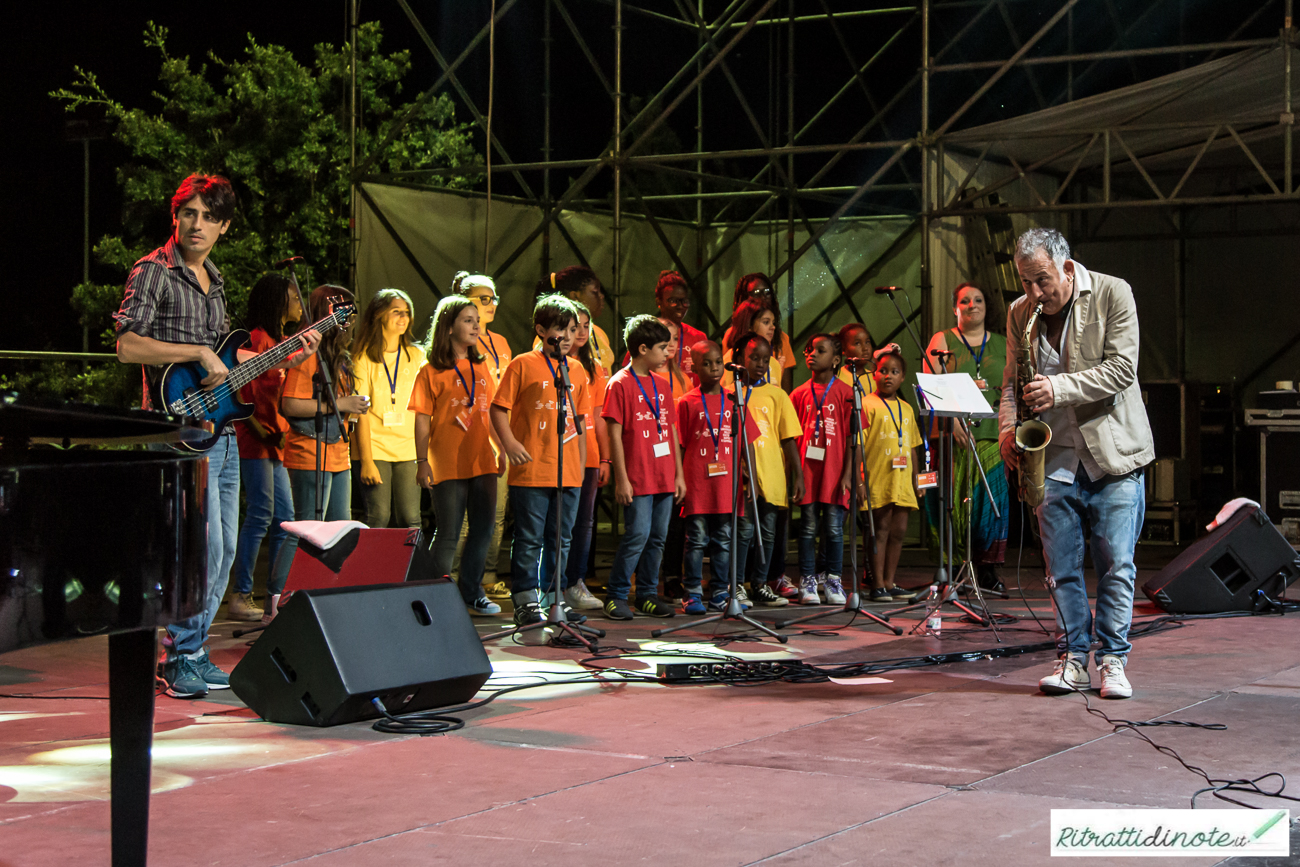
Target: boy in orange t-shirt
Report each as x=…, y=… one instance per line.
x=524, y=414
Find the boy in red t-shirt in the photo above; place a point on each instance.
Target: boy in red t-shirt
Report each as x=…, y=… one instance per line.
x=704, y=417
x=647, y=467
x=824, y=405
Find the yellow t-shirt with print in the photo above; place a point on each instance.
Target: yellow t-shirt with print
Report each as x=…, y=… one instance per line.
x=887, y=424
x=774, y=414
x=392, y=425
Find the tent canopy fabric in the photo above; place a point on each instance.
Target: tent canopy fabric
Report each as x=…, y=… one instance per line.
x=1164, y=121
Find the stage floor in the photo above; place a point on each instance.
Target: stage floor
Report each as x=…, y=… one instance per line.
x=960, y=763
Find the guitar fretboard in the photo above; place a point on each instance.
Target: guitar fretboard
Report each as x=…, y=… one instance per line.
x=250, y=370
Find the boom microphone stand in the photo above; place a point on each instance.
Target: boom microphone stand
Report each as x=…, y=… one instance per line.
x=556, y=618
x=853, y=600
x=739, y=437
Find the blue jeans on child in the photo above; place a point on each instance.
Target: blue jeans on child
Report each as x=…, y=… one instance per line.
x=641, y=550
x=767, y=515
x=830, y=519
x=267, y=502
x=452, y=501
x=1113, y=508
x=714, y=533
x=223, y=524
x=535, y=516
x=583, y=528
x=336, y=489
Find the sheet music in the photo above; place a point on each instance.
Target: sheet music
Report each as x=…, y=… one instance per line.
x=951, y=394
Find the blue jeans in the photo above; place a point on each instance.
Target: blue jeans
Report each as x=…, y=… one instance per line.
x=1113, y=508
x=452, y=500
x=645, y=526
x=337, y=499
x=712, y=532
x=583, y=529
x=267, y=502
x=831, y=519
x=223, y=524
x=535, y=516
x=767, y=515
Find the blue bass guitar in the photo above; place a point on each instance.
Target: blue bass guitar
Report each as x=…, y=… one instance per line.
x=181, y=389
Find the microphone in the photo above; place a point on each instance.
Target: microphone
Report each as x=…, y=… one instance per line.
x=856, y=363
x=734, y=367
x=886, y=290
x=941, y=353
x=553, y=341
x=292, y=260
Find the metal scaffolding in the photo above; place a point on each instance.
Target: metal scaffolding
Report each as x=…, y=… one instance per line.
x=974, y=61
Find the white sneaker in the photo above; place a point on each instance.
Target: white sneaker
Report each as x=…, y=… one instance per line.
x=742, y=597
x=580, y=598
x=834, y=590
x=1114, y=683
x=1069, y=675
x=808, y=591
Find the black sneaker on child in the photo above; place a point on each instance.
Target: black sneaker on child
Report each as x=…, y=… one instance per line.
x=618, y=609
x=652, y=607
x=879, y=594
x=764, y=595
x=528, y=613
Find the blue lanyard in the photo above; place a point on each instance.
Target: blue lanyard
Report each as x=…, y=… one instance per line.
x=979, y=359
x=492, y=348
x=473, y=384
x=392, y=377
x=554, y=376
x=714, y=434
x=817, y=423
x=658, y=424
x=898, y=425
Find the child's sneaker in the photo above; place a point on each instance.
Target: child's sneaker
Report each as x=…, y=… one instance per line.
x=1069, y=675
x=652, y=607
x=808, y=591
x=764, y=596
x=618, y=609
x=835, y=590
x=484, y=607
x=783, y=588
x=879, y=594
x=694, y=604
x=579, y=597
x=743, y=598
x=718, y=601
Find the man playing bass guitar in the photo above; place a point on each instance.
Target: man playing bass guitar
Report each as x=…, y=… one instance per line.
x=174, y=311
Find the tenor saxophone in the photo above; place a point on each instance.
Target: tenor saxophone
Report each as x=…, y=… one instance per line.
x=1032, y=435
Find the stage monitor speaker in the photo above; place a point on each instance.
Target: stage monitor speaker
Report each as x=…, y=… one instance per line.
x=329, y=652
x=1227, y=570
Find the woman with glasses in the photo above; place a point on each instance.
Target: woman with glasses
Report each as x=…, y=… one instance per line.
x=386, y=361
x=757, y=287
x=482, y=290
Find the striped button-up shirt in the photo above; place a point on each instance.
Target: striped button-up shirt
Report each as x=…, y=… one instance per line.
x=164, y=301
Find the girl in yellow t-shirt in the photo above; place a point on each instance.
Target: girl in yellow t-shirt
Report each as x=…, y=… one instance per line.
x=385, y=362
x=889, y=466
x=454, y=444
x=757, y=287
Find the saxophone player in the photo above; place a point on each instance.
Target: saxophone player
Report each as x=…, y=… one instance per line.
x=1084, y=349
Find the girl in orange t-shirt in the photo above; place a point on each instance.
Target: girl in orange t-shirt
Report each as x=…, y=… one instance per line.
x=300, y=443
x=454, y=445
x=597, y=471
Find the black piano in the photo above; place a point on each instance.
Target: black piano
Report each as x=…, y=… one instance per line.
x=96, y=538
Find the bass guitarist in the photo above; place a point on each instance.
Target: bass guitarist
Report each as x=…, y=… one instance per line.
x=174, y=311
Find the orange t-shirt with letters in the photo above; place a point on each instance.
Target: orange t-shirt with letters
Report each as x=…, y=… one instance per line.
x=527, y=390
x=457, y=452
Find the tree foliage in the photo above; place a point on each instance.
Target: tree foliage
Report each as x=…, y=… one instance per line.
x=278, y=129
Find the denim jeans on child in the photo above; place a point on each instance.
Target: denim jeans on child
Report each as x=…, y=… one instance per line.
x=535, y=516
x=747, y=561
x=829, y=518
x=641, y=550
x=267, y=502
x=714, y=533
x=1112, y=508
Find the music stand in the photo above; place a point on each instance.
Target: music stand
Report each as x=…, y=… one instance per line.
x=853, y=600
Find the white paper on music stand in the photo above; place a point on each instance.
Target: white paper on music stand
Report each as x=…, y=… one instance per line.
x=952, y=394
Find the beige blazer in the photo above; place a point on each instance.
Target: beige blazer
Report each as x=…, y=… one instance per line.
x=1100, y=382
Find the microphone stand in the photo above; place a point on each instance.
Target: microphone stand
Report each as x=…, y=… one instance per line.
x=739, y=436
x=556, y=618
x=853, y=600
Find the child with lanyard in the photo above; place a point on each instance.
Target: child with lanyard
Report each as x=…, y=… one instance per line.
x=481, y=289
x=825, y=407
x=457, y=458
x=647, y=466
x=889, y=464
x=524, y=414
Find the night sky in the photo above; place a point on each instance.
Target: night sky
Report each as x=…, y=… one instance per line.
x=41, y=232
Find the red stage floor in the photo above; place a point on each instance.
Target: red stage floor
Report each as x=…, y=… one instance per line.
x=960, y=763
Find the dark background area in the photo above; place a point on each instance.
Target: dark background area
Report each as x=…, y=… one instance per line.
x=41, y=172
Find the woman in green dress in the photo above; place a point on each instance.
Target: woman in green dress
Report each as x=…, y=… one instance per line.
x=982, y=354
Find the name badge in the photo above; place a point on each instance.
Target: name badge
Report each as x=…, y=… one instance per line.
x=815, y=453
x=981, y=384
x=393, y=418
x=663, y=450
x=900, y=462
x=464, y=419
x=717, y=468
x=569, y=433
x=927, y=480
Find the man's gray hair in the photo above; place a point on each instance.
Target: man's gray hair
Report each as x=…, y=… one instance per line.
x=1049, y=240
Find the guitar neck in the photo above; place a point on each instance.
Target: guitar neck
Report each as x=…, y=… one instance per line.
x=259, y=364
